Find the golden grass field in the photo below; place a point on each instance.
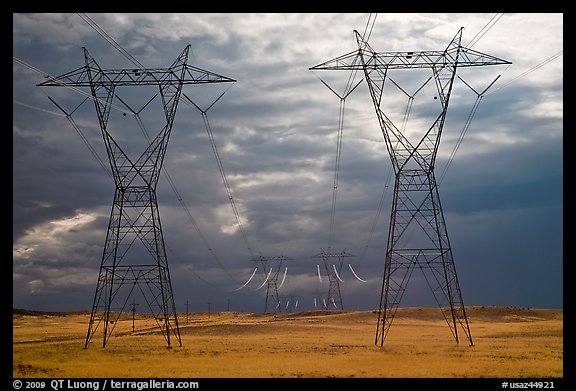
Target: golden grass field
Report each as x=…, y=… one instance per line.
x=508, y=343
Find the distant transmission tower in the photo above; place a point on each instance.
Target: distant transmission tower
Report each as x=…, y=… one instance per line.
x=134, y=218
x=333, y=270
x=417, y=236
x=272, y=267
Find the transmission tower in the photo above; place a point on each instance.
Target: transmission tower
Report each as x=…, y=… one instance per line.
x=333, y=270
x=272, y=267
x=134, y=218
x=417, y=236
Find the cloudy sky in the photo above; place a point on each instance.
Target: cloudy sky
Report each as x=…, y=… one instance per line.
x=276, y=130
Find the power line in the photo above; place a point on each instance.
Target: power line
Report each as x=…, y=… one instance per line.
x=460, y=138
x=367, y=37
x=540, y=65
x=110, y=39
x=63, y=84
x=69, y=118
x=479, y=97
x=477, y=103
x=225, y=182
x=221, y=169
x=349, y=88
x=480, y=33
x=377, y=215
x=185, y=207
x=187, y=267
x=336, y=170
x=38, y=108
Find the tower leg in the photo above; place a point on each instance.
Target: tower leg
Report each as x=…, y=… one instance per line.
x=134, y=218
x=418, y=239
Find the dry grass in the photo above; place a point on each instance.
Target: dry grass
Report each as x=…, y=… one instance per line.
x=509, y=342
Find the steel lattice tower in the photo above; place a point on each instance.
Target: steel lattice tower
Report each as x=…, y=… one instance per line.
x=417, y=236
x=334, y=293
x=272, y=272
x=134, y=218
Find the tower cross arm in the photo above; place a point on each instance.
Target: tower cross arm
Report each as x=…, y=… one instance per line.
x=463, y=57
x=366, y=58
x=82, y=77
x=348, y=61
x=407, y=60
